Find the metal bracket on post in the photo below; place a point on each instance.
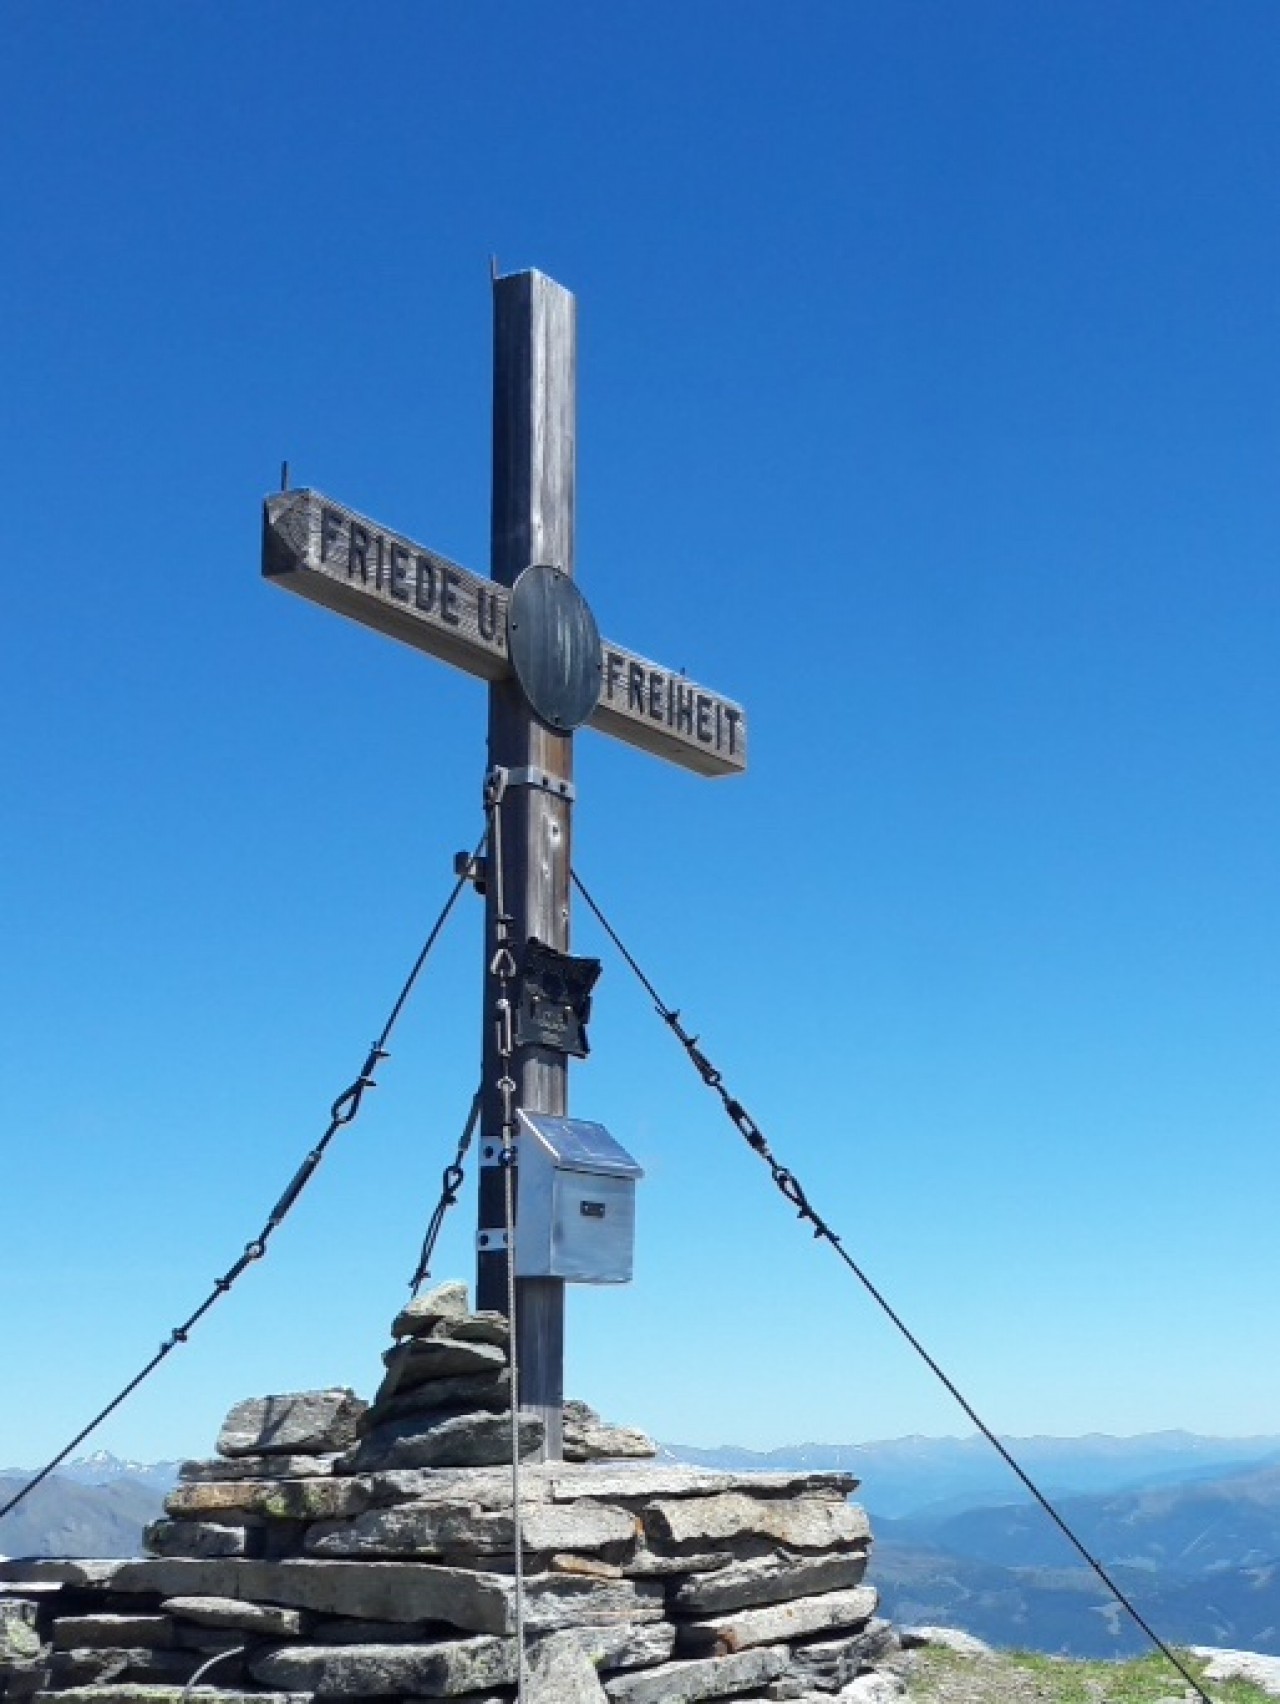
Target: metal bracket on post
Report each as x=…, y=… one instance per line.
x=540, y=779
x=472, y=867
x=491, y=1242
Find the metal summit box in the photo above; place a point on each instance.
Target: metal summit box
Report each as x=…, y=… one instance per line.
x=577, y=1218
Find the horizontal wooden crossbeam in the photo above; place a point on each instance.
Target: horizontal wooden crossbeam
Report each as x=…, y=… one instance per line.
x=326, y=552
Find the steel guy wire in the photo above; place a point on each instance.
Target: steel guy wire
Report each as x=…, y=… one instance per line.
x=451, y=1182
x=790, y=1187
x=342, y=1112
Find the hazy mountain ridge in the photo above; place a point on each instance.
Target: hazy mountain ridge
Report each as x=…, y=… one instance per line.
x=1189, y=1526
x=95, y=1505
x=906, y=1476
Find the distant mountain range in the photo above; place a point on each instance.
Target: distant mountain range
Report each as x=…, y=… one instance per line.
x=907, y=1476
x=1188, y=1526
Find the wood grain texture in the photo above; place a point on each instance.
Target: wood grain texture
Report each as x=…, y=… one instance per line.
x=534, y=466
x=328, y=553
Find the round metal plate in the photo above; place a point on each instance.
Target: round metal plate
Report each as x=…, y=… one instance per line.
x=555, y=647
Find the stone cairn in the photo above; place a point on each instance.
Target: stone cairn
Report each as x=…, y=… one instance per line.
x=339, y=1550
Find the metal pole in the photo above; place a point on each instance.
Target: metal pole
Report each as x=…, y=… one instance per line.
x=534, y=444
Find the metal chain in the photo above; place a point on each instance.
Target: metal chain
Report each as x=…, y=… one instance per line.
x=790, y=1187
x=341, y=1113
x=504, y=971
x=451, y=1182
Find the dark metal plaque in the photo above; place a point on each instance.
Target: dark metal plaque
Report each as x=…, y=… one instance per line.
x=555, y=647
x=554, y=999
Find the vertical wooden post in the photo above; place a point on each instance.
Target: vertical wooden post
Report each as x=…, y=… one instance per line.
x=534, y=456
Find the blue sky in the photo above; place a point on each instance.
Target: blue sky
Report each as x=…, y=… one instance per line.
x=929, y=405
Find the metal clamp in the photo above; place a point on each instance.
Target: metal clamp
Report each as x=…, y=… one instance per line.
x=492, y=1242
x=540, y=779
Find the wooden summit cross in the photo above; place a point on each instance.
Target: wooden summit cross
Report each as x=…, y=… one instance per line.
x=328, y=553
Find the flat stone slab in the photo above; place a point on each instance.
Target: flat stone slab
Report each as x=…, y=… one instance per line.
x=421, y=1358
x=265, y=1619
x=485, y=1487
x=236, y=1501
x=771, y=1579
x=613, y=1483
x=803, y=1523
x=375, y=1671
x=464, y=1440
x=258, y=1467
x=59, y=1570
x=128, y=1693
x=194, y=1538
x=553, y=1601
x=465, y=1598
x=750, y=1627
x=309, y=1422
x=484, y=1327
x=431, y=1529
x=622, y=1647
x=489, y=1391
x=375, y=1591
x=687, y=1683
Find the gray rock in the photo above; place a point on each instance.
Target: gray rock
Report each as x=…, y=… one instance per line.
x=193, y=1538
x=485, y=1487
x=619, y=1484
x=372, y=1671
x=484, y=1327
x=644, y=1565
x=874, y=1689
x=311, y=1422
x=232, y=1502
x=589, y=1438
x=130, y=1692
x=375, y=1591
x=264, y=1619
x=561, y=1672
x=947, y=1638
x=421, y=1316
x=687, y=1683
x=772, y=1579
x=465, y=1598
x=622, y=1647
x=420, y=1359
x=258, y=1467
x=1264, y=1672
x=59, y=1570
x=553, y=1601
x=462, y=1440
x=430, y=1529
x=19, y=1640
x=748, y=1627
x=838, y=1661
x=803, y=1523
x=490, y=1391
